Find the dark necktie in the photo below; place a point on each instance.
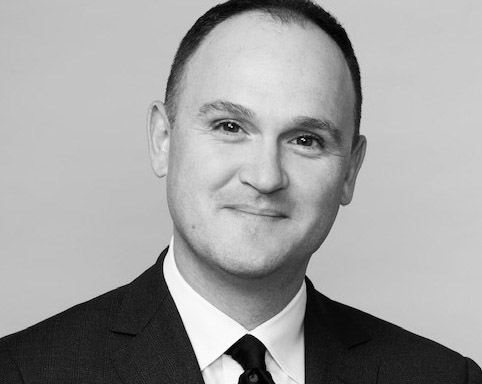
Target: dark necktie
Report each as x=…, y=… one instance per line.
x=249, y=352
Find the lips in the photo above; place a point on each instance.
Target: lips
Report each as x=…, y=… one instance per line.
x=258, y=211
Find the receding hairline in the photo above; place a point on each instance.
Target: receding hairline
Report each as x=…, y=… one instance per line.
x=274, y=13
x=264, y=16
x=265, y=22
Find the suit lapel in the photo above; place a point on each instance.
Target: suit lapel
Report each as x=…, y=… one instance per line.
x=334, y=345
x=150, y=344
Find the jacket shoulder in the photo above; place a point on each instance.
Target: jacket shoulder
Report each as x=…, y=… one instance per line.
x=77, y=344
x=389, y=336
x=75, y=337
x=401, y=353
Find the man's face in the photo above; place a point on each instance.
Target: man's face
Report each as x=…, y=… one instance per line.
x=260, y=156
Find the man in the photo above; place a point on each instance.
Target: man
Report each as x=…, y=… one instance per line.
x=259, y=141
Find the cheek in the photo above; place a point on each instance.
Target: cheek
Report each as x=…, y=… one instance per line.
x=316, y=187
x=198, y=164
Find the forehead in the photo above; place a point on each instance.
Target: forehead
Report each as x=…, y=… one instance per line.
x=261, y=61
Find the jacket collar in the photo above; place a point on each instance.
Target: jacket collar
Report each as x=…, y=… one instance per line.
x=334, y=344
x=150, y=344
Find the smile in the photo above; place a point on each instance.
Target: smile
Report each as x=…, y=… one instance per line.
x=267, y=213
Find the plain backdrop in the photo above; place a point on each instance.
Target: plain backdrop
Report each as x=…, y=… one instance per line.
x=82, y=213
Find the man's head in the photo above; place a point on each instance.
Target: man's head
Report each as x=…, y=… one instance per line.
x=284, y=11
x=262, y=153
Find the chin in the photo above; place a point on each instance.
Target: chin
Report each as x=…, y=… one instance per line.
x=249, y=271
x=251, y=261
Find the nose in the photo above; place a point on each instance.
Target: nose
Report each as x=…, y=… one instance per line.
x=263, y=170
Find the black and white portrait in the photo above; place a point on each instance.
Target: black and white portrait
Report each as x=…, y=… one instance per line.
x=256, y=167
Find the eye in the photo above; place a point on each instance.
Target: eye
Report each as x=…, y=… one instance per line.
x=309, y=141
x=305, y=141
x=228, y=127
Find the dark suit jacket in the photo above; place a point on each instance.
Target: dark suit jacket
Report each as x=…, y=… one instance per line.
x=134, y=334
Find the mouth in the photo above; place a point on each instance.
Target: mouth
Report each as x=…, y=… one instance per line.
x=268, y=213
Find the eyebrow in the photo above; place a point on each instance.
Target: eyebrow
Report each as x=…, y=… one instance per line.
x=304, y=122
x=300, y=122
x=226, y=106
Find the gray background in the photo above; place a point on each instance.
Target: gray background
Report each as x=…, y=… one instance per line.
x=81, y=212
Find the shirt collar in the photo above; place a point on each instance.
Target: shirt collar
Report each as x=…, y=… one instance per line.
x=214, y=332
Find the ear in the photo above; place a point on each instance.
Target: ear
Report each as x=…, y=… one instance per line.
x=356, y=160
x=158, y=134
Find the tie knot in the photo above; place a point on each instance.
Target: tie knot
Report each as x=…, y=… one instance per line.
x=249, y=352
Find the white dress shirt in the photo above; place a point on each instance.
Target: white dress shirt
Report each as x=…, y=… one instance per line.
x=212, y=332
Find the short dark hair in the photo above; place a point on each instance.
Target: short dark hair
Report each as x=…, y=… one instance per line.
x=285, y=11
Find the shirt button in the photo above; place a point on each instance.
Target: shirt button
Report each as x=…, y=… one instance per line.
x=253, y=378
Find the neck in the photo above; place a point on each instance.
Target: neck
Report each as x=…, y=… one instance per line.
x=248, y=300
